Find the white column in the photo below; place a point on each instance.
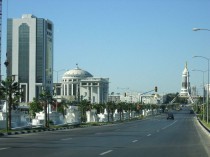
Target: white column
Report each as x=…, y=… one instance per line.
x=67, y=89
x=98, y=91
x=64, y=89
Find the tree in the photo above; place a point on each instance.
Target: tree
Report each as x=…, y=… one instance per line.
x=120, y=109
x=35, y=106
x=110, y=109
x=11, y=92
x=61, y=106
x=45, y=97
x=84, y=106
x=99, y=108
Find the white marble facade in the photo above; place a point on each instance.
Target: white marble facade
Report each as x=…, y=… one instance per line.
x=78, y=85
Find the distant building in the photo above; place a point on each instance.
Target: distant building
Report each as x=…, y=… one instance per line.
x=114, y=98
x=206, y=90
x=194, y=91
x=135, y=97
x=30, y=54
x=151, y=99
x=78, y=85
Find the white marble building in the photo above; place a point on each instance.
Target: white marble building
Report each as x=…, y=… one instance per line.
x=78, y=85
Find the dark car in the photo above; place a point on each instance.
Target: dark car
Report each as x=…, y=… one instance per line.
x=170, y=116
x=191, y=112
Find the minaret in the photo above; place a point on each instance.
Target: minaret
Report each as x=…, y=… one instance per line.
x=185, y=89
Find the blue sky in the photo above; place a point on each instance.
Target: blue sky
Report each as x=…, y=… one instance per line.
x=137, y=44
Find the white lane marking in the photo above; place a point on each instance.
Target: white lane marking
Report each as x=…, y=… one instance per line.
x=149, y=134
x=109, y=151
x=66, y=139
x=3, y=148
x=169, y=125
x=135, y=141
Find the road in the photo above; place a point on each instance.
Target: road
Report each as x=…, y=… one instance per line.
x=154, y=136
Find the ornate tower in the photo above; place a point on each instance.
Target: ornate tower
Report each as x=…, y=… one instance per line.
x=185, y=89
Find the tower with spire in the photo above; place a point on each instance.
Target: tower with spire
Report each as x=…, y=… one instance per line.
x=185, y=88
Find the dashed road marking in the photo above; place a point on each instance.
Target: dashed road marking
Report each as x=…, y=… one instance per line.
x=3, y=148
x=135, y=141
x=169, y=125
x=104, y=153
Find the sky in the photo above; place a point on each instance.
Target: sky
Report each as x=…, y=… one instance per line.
x=137, y=44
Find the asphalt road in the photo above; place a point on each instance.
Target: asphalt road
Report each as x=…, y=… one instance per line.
x=154, y=136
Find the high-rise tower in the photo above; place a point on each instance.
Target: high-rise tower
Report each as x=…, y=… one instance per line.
x=30, y=54
x=185, y=89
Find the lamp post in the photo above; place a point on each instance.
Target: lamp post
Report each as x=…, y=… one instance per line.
x=203, y=86
x=207, y=120
x=57, y=71
x=6, y=63
x=198, y=29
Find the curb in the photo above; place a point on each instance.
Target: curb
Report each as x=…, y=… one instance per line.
x=36, y=131
x=202, y=127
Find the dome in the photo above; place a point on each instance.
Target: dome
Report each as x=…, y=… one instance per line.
x=77, y=73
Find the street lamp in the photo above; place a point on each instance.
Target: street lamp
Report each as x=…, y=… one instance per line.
x=198, y=29
x=57, y=71
x=207, y=86
x=203, y=86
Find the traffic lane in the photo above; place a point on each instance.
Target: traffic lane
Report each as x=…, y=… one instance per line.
x=180, y=139
x=141, y=126
x=99, y=141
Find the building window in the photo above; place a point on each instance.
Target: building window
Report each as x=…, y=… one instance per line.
x=49, y=26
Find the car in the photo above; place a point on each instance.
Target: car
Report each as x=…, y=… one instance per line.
x=191, y=112
x=170, y=116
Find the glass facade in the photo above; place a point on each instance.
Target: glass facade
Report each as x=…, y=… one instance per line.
x=9, y=46
x=23, y=57
x=39, y=50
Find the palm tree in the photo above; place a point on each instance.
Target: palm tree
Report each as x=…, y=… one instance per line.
x=11, y=92
x=61, y=106
x=84, y=106
x=45, y=97
x=99, y=107
x=110, y=109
